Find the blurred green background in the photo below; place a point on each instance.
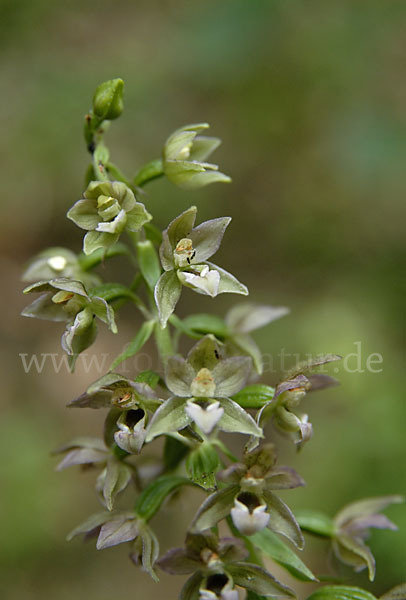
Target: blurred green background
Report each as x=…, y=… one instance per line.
x=309, y=98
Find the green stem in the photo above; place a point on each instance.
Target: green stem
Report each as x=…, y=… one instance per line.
x=163, y=341
x=148, y=172
x=100, y=170
x=117, y=174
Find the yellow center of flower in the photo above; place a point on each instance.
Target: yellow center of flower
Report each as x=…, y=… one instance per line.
x=185, y=152
x=108, y=207
x=123, y=397
x=203, y=385
x=184, y=252
x=62, y=296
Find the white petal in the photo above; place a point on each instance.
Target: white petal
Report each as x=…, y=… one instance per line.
x=249, y=523
x=114, y=226
x=206, y=283
x=207, y=418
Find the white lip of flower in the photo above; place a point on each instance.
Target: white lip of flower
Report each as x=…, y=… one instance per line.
x=203, y=385
x=225, y=595
x=207, y=418
x=184, y=252
x=248, y=522
x=130, y=440
x=207, y=595
x=115, y=225
x=57, y=263
x=207, y=282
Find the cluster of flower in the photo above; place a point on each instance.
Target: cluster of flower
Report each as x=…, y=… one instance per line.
x=213, y=389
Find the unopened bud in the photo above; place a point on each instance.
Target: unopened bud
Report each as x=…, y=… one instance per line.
x=108, y=99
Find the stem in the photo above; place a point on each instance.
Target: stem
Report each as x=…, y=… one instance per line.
x=148, y=172
x=163, y=341
x=100, y=170
x=117, y=174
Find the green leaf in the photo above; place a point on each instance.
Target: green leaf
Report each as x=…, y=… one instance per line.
x=148, y=262
x=316, y=522
x=149, y=377
x=256, y=579
x=254, y=396
x=148, y=172
x=182, y=327
x=150, y=500
x=90, y=261
x=136, y=344
x=272, y=546
x=202, y=464
x=111, y=291
x=170, y=416
x=340, y=592
x=167, y=293
x=204, y=323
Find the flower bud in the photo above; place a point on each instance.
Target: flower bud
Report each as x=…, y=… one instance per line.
x=108, y=99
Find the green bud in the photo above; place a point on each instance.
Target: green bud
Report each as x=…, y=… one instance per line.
x=108, y=99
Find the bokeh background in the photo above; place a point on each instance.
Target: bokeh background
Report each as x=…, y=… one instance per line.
x=309, y=99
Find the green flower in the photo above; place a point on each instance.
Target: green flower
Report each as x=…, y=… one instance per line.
x=289, y=393
x=349, y=529
x=88, y=452
x=132, y=404
x=249, y=497
x=202, y=385
x=105, y=211
x=217, y=566
x=236, y=326
x=352, y=526
x=184, y=252
x=118, y=527
x=58, y=262
x=183, y=158
x=67, y=300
